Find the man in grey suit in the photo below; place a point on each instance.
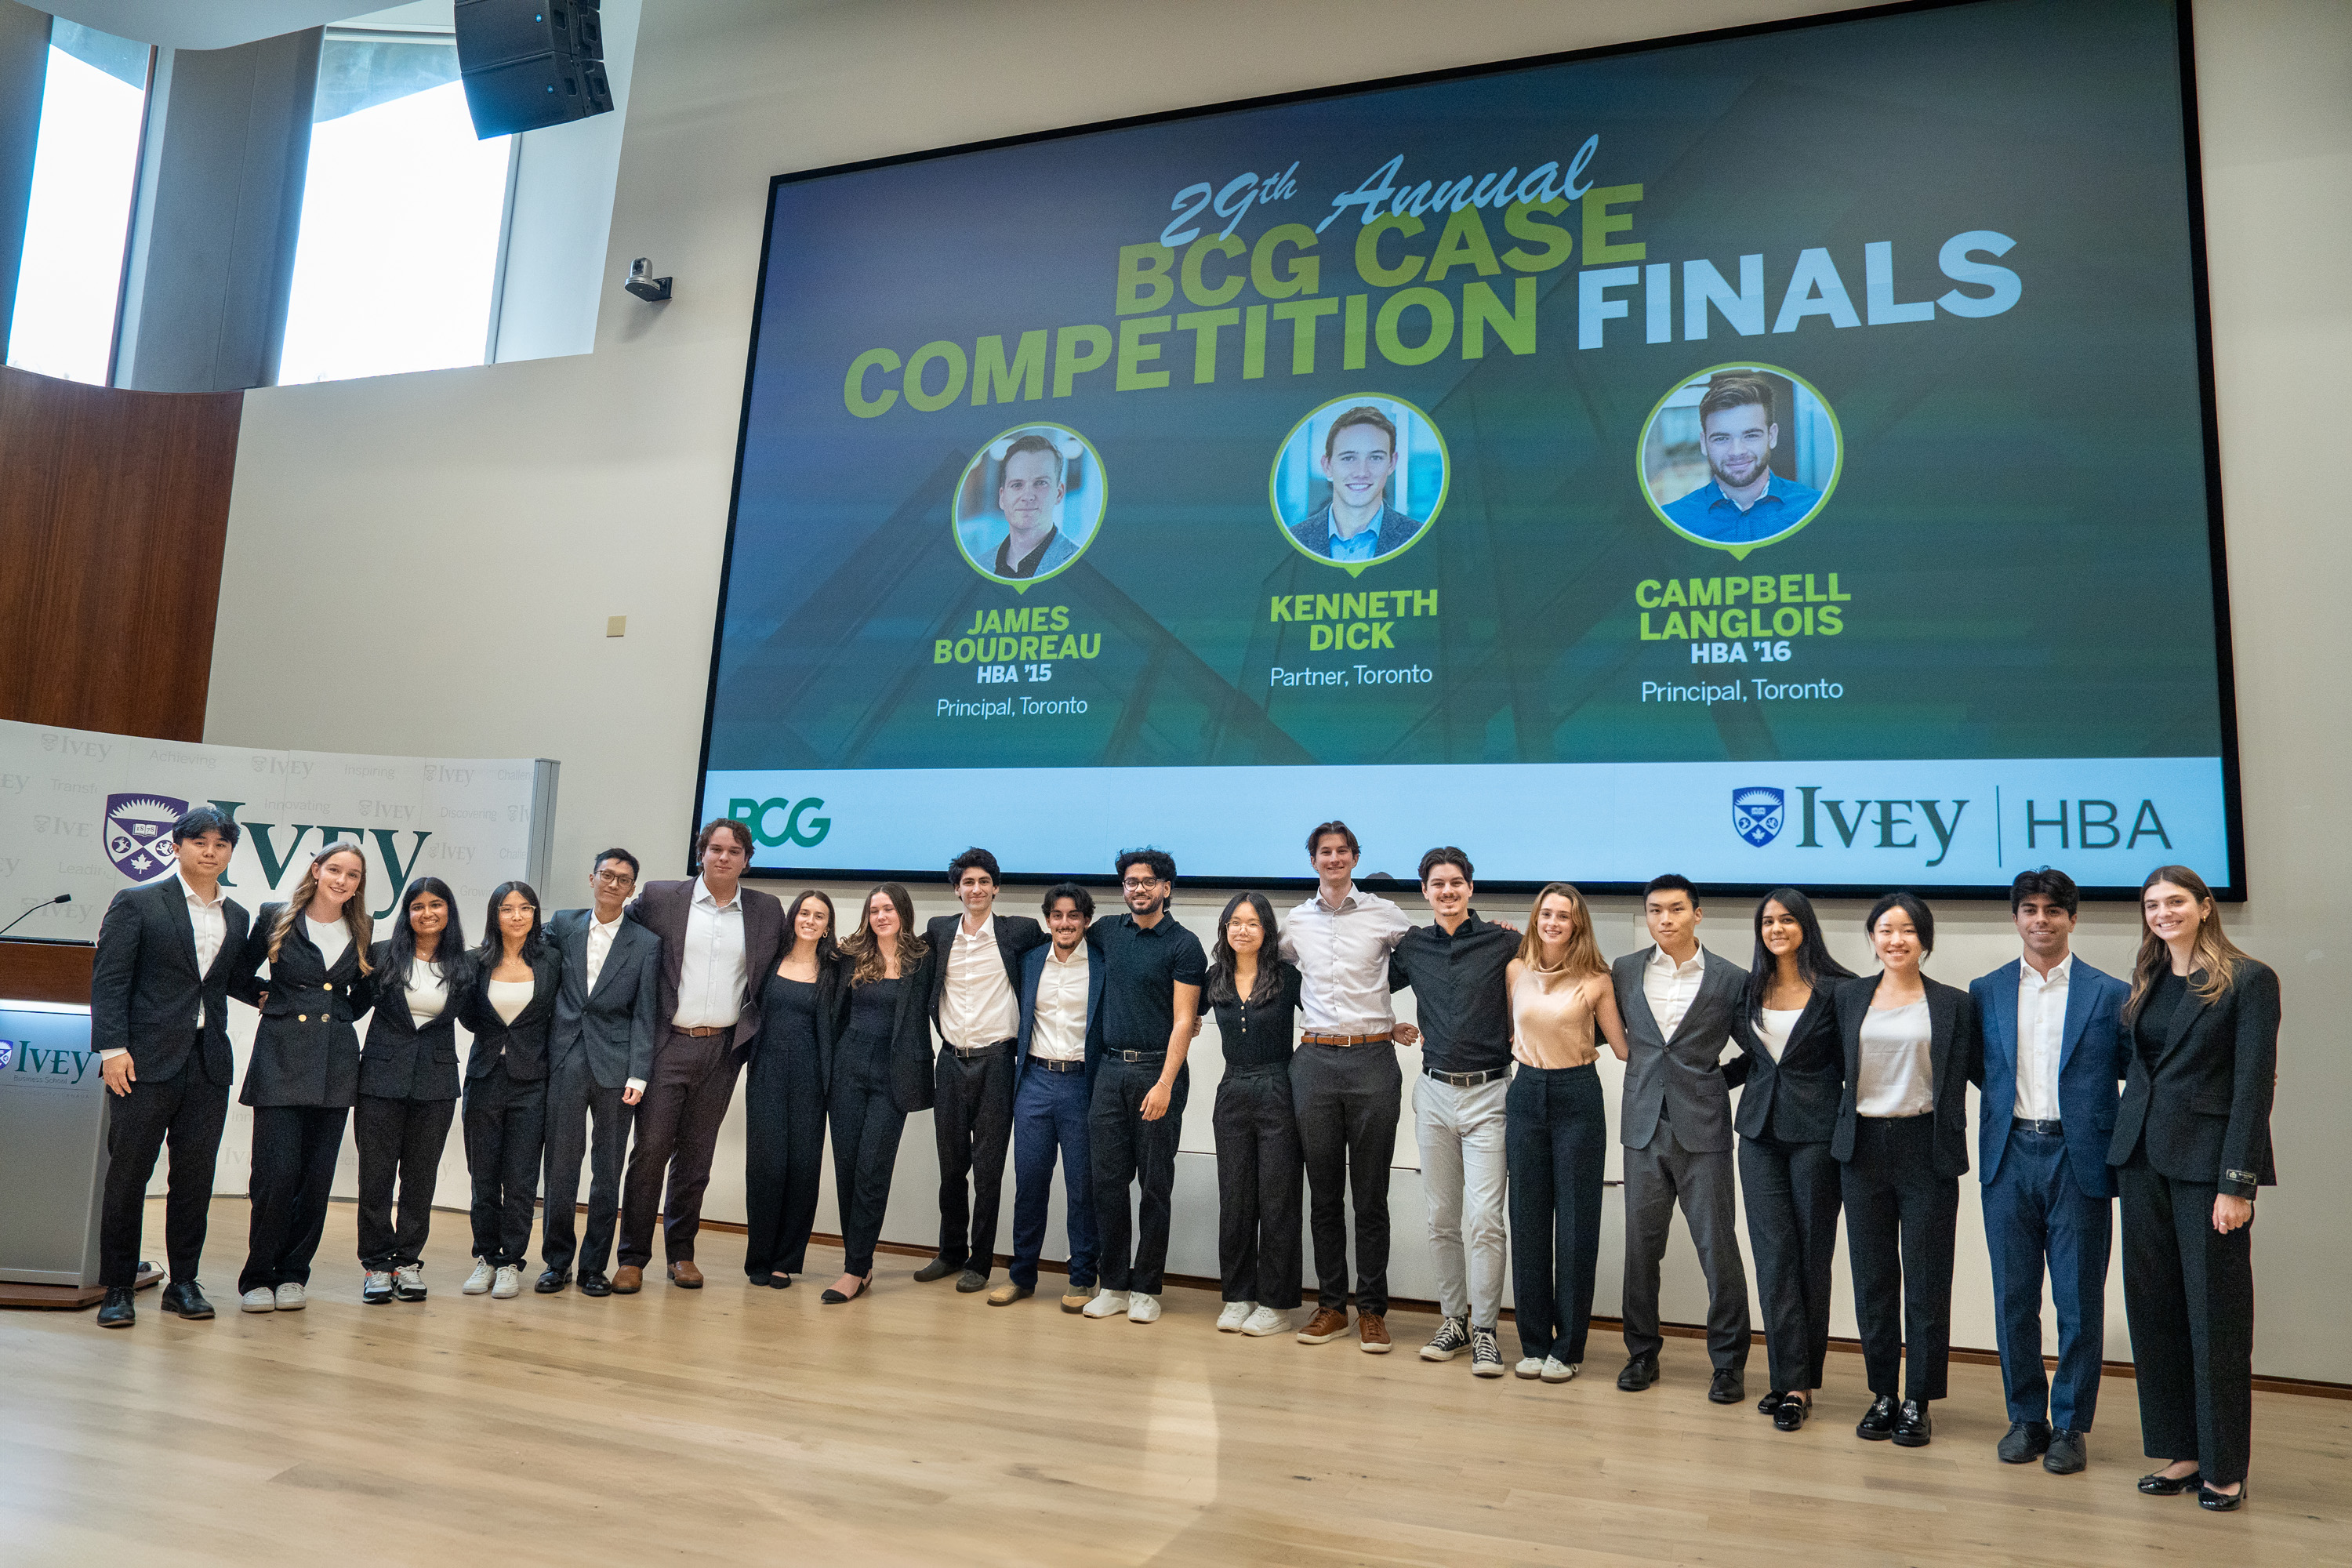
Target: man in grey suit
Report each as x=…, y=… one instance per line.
x=602, y=1037
x=1679, y=1003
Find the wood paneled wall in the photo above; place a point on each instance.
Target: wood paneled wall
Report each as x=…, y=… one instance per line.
x=113, y=514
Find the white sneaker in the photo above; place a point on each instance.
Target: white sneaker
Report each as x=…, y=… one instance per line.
x=292, y=1298
x=1267, y=1321
x=479, y=1282
x=1528, y=1366
x=260, y=1299
x=1142, y=1309
x=1235, y=1314
x=1106, y=1304
x=508, y=1285
x=408, y=1282
x=377, y=1289
x=1557, y=1371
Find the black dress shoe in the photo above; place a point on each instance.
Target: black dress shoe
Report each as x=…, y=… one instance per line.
x=182, y=1297
x=1791, y=1413
x=1877, y=1423
x=2221, y=1502
x=1729, y=1387
x=1770, y=1403
x=2025, y=1442
x=938, y=1268
x=552, y=1281
x=1639, y=1374
x=116, y=1312
x=780, y=1280
x=2068, y=1453
x=1913, y=1428
x=2158, y=1484
x=595, y=1284
x=970, y=1281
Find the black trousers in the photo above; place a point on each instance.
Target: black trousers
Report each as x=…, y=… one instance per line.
x=1128, y=1149
x=400, y=1141
x=867, y=1127
x=2188, y=1293
x=784, y=1159
x=294, y=1150
x=506, y=1131
x=188, y=1110
x=974, y=1124
x=1900, y=1219
x=584, y=1120
x=677, y=1133
x=1556, y=1142
x=1259, y=1170
x=1792, y=1192
x=1347, y=1099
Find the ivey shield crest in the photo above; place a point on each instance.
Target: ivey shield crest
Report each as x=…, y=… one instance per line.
x=139, y=833
x=1757, y=814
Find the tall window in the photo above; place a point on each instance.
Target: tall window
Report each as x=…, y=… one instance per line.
x=84, y=170
x=396, y=267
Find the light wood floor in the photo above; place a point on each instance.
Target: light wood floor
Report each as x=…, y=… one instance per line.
x=920, y=1426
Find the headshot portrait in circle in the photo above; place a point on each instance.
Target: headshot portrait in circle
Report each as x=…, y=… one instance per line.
x=1358, y=479
x=1029, y=503
x=1740, y=456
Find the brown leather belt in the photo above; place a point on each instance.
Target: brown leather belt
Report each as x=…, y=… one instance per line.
x=1382, y=1038
x=702, y=1032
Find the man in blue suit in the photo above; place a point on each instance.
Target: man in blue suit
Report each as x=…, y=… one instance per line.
x=2053, y=1048
x=1054, y=1059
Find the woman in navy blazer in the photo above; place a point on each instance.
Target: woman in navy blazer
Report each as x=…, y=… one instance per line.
x=510, y=1008
x=1792, y=1063
x=2193, y=1145
x=1902, y=1138
x=304, y=1071
x=408, y=1086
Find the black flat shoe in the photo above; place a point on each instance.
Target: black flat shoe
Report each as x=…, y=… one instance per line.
x=183, y=1299
x=1912, y=1426
x=1790, y=1414
x=116, y=1312
x=1877, y=1423
x=550, y=1282
x=780, y=1280
x=2155, y=1484
x=596, y=1285
x=833, y=1298
x=938, y=1268
x=2212, y=1501
x=1771, y=1404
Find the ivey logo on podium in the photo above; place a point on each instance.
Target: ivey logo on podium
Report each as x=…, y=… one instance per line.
x=139, y=833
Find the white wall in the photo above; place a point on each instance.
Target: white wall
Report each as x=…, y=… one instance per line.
x=474, y=521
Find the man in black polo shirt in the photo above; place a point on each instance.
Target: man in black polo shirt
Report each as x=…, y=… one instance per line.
x=1456, y=970
x=1152, y=973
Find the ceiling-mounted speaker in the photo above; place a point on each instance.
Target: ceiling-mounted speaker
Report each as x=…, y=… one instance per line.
x=530, y=64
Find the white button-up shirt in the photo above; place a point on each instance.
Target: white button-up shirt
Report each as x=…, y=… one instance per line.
x=600, y=942
x=1342, y=956
x=710, y=972
x=977, y=1006
x=210, y=923
x=1670, y=988
x=2040, y=1036
x=1059, y=1033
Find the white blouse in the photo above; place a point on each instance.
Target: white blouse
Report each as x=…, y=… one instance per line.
x=428, y=992
x=1898, y=1075
x=510, y=997
x=331, y=939
x=1773, y=1027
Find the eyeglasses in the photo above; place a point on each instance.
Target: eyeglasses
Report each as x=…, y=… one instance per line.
x=1135, y=885
x=617, y=879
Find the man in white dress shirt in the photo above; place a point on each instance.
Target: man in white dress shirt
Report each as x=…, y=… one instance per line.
x=1060, y=1011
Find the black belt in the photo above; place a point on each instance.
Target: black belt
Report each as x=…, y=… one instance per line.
x=2047, y=1129
x=1135, y=1056
x=1054, y=1064
x=1256, y=1069
x=969, y=1052
x=1467, y=1079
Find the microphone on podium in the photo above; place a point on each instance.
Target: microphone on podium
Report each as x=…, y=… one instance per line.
x=44, y=903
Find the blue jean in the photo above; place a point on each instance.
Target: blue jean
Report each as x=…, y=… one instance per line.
x=2034, y=1211
x=1049, y=1117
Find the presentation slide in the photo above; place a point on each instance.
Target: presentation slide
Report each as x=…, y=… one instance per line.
x=1780, y=457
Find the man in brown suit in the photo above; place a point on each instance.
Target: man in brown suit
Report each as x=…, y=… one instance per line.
x=720, y=941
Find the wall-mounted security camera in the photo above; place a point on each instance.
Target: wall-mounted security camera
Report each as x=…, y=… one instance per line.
x=643, y=284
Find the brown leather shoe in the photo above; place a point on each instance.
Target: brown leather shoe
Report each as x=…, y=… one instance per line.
x=685, y=1275
x=1372, y=1334
x=628, y=1279
x=1328, y=1324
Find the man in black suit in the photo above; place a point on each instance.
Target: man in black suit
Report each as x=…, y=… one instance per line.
x=604, y=1037
x=159, y=1017
x=1679, y=1003
x=975, y=1004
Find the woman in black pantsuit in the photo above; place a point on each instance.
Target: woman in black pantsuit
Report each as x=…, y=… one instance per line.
x=1901, y=1141
x=304, y=1071
x=408, y=1086
x=881, y=1072
x=783, y=1097
x=2193, y=1139
x=1261, y=1165
x=1793, y=1063
x=510, y=1009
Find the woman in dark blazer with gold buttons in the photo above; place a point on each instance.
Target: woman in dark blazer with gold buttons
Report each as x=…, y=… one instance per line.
x=2193, y=1144
x=408, y=1086
x=304, y=1072
x=1902, y=1138
x=510, y=1008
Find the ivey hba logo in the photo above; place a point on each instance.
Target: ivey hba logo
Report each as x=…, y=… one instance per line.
x=1759, y=813
x=138, y=829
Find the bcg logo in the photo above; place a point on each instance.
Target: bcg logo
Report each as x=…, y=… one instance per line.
x=781, y=820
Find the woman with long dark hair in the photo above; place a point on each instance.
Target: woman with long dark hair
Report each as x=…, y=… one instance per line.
x=510, y=1009
x=408, y=1086
x=1901, y=1141
x=881, y=1072
x=1555, y=1128
x=2193, y=1141
x=1793, y=1063
x=1260, y=1162
x=783, y=1098
x=304, y=1072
